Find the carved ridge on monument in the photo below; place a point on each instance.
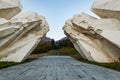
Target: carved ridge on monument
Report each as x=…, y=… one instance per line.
x=21, y=33
x=96, y=39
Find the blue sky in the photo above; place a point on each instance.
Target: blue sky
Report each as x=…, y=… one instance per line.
x=57, y=12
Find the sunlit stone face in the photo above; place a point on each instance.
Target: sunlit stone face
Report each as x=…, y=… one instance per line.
x=107, y=8
x=20, y=34
x=95, y=39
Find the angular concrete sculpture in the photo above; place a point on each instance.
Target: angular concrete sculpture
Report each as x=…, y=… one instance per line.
x=107, y=8
x=9, y=8
x=20, y=35
x=95, y=39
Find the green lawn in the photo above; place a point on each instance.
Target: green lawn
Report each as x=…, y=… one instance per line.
x=115, y=66
x=7, y=64
x=68, y=51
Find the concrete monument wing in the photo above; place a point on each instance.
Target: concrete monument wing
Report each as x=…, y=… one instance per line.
x=20, y=34
x=9, y=8
x=107, y=8
x=95, y=39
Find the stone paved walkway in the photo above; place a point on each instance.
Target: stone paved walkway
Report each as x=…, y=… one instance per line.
x=58, y=68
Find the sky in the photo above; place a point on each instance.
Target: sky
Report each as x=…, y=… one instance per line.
x=57, y=12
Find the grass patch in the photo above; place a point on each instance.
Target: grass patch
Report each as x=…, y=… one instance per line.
x=52, y=52
x=68, y=51
x=115, y=66
x=7, y=64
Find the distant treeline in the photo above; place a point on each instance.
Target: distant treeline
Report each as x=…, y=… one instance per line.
x=45, y=46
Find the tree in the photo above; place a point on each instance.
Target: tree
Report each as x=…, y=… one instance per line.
x=53, y=43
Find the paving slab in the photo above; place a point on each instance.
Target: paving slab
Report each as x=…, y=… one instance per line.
x=58, y=68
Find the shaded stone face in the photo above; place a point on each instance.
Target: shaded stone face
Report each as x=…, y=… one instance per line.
x=107, y=8
x=9, y=8
x=95, y=39
x=21, y=34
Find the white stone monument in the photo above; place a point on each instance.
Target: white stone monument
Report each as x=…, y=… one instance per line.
x=20, y=35
x=107, y=8
x=9, y=8
x=95, y=39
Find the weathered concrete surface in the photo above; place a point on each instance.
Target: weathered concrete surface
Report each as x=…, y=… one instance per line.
x=21, y=33
x=92, y=37
x=58, y=68
x=21, y=36
x=9, y=8
x=107, y=8
x=97, y=39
